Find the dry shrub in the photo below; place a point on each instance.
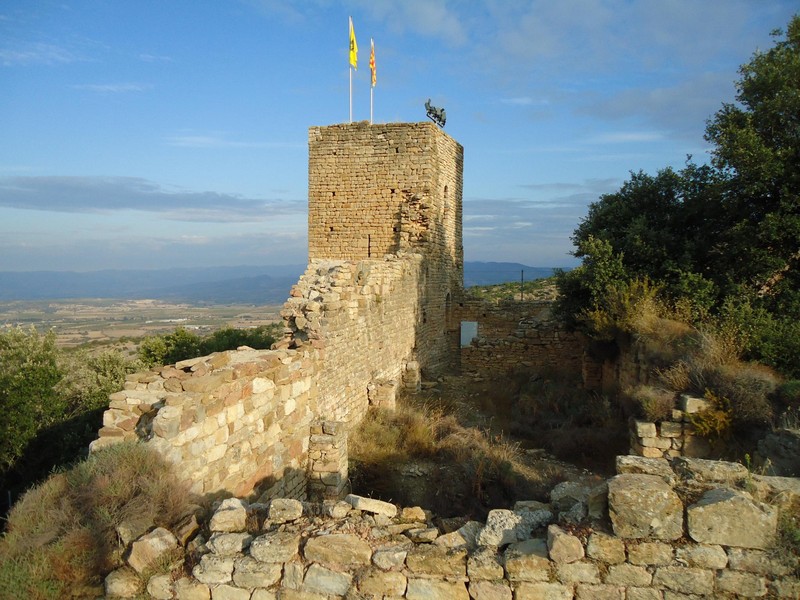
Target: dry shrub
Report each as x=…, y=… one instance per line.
x=748, y=387
x=668, y=341
x=677, y=376
x=629, y=307
x=61, y=537
x=651, y=403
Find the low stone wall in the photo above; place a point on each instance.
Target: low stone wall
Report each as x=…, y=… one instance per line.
x=656, y=531
x=673, y=437
x=515, y=335
x=234, y=422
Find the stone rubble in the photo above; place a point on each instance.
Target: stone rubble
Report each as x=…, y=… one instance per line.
x=303, y=552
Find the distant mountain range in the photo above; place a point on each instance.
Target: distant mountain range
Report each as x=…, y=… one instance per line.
x=214, y=285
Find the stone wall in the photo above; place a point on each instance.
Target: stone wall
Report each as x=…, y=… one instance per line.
x=656, y=531
x=378, y=190
x=361, y=316
x=672, y=437
x=373, y=305
x=514, y=335
x=235, y=422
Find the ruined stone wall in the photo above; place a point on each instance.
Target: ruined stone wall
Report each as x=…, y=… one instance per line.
x=362, y=316
x=234, y=422
x=514, y=335
x=385, y=260
x=658, y=530
x=376, y=190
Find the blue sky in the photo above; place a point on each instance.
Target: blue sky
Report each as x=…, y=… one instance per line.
x=154, y=134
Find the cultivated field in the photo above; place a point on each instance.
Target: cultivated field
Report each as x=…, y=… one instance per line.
x=101, y=322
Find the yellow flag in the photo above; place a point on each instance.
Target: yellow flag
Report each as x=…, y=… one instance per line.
x=353, y=46
x=372, y=63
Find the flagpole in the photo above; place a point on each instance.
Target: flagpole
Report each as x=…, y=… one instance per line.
x=351, y=94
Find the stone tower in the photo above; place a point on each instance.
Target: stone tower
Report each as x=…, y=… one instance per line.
x=393, y=189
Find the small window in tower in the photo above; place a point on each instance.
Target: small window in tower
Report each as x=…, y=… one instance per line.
x=469, y=331
x=331, y=228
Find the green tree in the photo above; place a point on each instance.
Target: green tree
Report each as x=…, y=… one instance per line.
x=28, y=375
x=583, y=288
x=710, y=234
x=170, y=348
x=757, y=148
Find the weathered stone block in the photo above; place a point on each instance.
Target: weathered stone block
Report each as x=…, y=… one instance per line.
x=213, y=569
x=379, y=584
x=649, y=553
x=283, y=510
x=251, y=573
x=230, y=516
x=703, y=556
x=584, y=591
x=645, y=466
x=643, y=506
x=644, y=429
x=321, y=580
x=563, y=547
x=628, y=575
x=578, y=572
x=149, y=548
x=528, y=561
x=709, y=471
x=437, y=560
x=122, y=583
x=731, y=518
x=371, y=505
x=229, y=592
x=228, y=544
x=542, y=591
x=338, y=549
x=502, y=527
x=188, y=589
x=275, y=547
x=434, y=589
x=489, y=590
x=745, y=585
x=685, y=580
x=160, y=587
x=605, y=548
x=485, y=563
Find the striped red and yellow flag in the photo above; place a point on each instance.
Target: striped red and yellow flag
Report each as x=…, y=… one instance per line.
x=372, y=63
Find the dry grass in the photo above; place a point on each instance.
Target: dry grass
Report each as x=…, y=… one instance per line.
x=652, y=403
x=474, y=469
x=61, y=537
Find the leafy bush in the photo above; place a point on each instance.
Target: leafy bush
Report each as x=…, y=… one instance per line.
x=715, y=421
x=28, y=402
x=170, y=348
x=52, y=401
x=787, y=394
x=62, y=535
x=626, y=307
x=181, y=344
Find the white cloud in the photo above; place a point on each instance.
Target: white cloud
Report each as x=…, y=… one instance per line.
x=113, y=88
x=110, y=194
x=430, y=18
x=220, y=141
x=154, y=58
x=625, y=137
x=36, y=53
